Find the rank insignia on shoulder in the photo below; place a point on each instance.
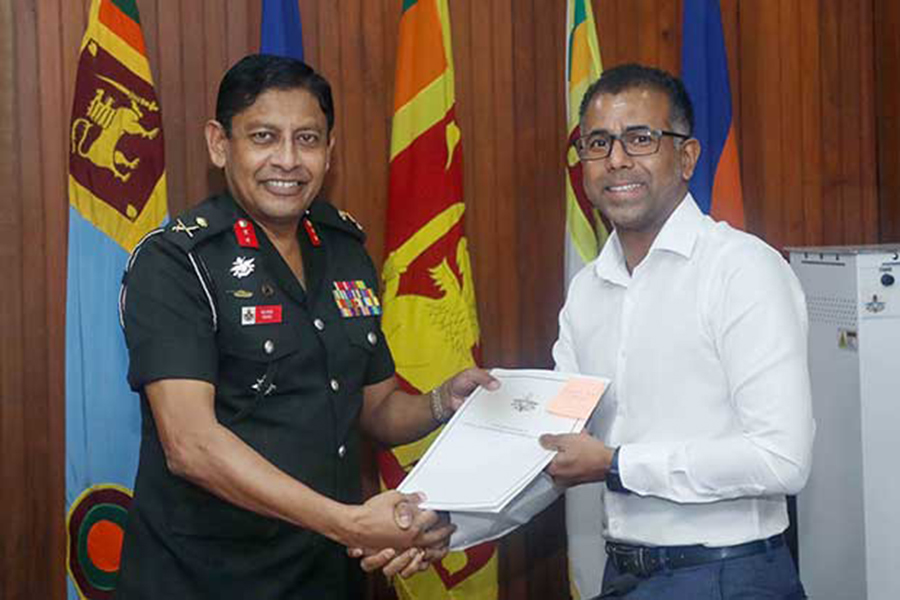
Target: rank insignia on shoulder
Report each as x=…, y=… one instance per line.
x=348, y=217
x=189, y=229
x=355, y=299
x=314, y=238
x=241, y=267
x=245, y=234
x=260, y=315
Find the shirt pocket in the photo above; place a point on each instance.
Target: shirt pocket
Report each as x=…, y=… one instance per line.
x=363, y=336
x=255, y=366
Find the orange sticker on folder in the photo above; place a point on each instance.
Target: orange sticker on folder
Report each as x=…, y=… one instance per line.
x=577, y=398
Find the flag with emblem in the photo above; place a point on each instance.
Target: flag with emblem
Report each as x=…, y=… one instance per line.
x=117, y=194
x=585, y=231
x=716, y=184
x=585, y=234
x=429, y=314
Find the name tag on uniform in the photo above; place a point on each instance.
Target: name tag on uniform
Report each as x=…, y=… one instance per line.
x=260, y=315
x=355, y=299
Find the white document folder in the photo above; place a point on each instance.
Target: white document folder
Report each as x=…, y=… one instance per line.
x=489, y=451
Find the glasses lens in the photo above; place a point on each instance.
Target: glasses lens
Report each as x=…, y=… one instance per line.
x=640, y=141
x=593, y=146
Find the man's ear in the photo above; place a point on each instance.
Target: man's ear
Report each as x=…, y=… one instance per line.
x=328, y=152
x=216, y=142
x=690, y=154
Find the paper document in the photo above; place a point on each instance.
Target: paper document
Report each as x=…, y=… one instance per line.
x=489, y=451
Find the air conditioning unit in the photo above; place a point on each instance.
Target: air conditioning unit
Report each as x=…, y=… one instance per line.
x=848, y=516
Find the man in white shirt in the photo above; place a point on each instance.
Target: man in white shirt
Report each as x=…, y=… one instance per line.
x=702, y=328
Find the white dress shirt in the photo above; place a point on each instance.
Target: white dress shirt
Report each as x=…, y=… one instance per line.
x=706, y=345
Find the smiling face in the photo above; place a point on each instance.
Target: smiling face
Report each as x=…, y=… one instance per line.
x=637, y=193
x=277, y=156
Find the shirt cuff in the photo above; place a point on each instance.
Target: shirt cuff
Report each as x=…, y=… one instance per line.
x=613, y=476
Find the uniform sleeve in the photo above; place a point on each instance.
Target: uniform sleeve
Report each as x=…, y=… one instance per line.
x=168, y=318
x=756, y=314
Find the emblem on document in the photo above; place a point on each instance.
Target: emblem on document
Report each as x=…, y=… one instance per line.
x=241, y=267
x=526, y=404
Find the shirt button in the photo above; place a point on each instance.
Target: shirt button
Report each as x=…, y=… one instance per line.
x=335, y=386
x=319, y=324
x=342, y=451
x=269, y=346
x=372, y=338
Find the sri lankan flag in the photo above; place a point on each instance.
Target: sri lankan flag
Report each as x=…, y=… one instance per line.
x=585, y=232
x=429, y=318
x=117, y=194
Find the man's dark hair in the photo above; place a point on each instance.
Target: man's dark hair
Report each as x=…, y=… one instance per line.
x=258, y=73
x=633, y=76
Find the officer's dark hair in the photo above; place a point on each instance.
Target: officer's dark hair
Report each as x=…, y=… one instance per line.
x=258, y=73
x=634, y=76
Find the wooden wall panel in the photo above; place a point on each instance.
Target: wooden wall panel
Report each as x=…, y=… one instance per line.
x=887, y=77
x=818, y=129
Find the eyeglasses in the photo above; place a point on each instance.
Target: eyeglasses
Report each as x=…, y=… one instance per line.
x=640, y=141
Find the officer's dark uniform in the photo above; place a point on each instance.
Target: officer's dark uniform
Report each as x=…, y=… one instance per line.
x=288, y=365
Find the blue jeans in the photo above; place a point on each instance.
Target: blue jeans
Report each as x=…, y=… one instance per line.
x=766, y=576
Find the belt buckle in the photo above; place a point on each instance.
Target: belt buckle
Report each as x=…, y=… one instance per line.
x=633, y=560
x=644, y=565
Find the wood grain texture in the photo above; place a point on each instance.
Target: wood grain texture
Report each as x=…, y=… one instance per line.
x=816, y=88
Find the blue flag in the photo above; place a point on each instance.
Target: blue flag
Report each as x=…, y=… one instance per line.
x=282, y=32
x=716, y=184
x=117, y=194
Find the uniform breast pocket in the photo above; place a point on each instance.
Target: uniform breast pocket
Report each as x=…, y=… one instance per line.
x=253, y=367
x=364, y=337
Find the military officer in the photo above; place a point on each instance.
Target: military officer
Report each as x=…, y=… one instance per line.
x=252, y=324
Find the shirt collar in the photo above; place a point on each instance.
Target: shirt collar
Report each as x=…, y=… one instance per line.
x=678, y=234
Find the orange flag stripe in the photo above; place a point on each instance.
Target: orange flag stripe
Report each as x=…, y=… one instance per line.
x=418, y=64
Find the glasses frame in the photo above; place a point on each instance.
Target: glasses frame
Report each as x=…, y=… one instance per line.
x=657, y=134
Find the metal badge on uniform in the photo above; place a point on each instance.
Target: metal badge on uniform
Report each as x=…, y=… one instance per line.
x=243, y=294
x=268, y=290
x=355, y=299
x=241, y=267
x=312, y=233
x=348, y=217
x=260, y=315
x=189, y=229
x=245, y=234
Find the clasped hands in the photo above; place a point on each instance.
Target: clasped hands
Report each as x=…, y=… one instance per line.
x=427, y=533
x=425, y=538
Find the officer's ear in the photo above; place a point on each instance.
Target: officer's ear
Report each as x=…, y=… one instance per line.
x=216, y=143
x=329, y=150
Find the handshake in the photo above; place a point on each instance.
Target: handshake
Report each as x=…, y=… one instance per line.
x=398, y=537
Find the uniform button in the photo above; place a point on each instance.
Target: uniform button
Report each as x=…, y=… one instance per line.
x=335, y=386
x=372, y=337
x=319, y=324
x=269, y=346
x=342, y=451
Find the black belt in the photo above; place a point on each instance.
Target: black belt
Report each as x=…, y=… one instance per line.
x=644, y=561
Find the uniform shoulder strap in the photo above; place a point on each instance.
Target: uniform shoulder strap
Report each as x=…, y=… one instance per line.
x=322, y=212
x=196, y=225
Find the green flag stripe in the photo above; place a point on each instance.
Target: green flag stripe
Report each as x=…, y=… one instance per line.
x=580, y=14
x=128, y=7
x=408, y=4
